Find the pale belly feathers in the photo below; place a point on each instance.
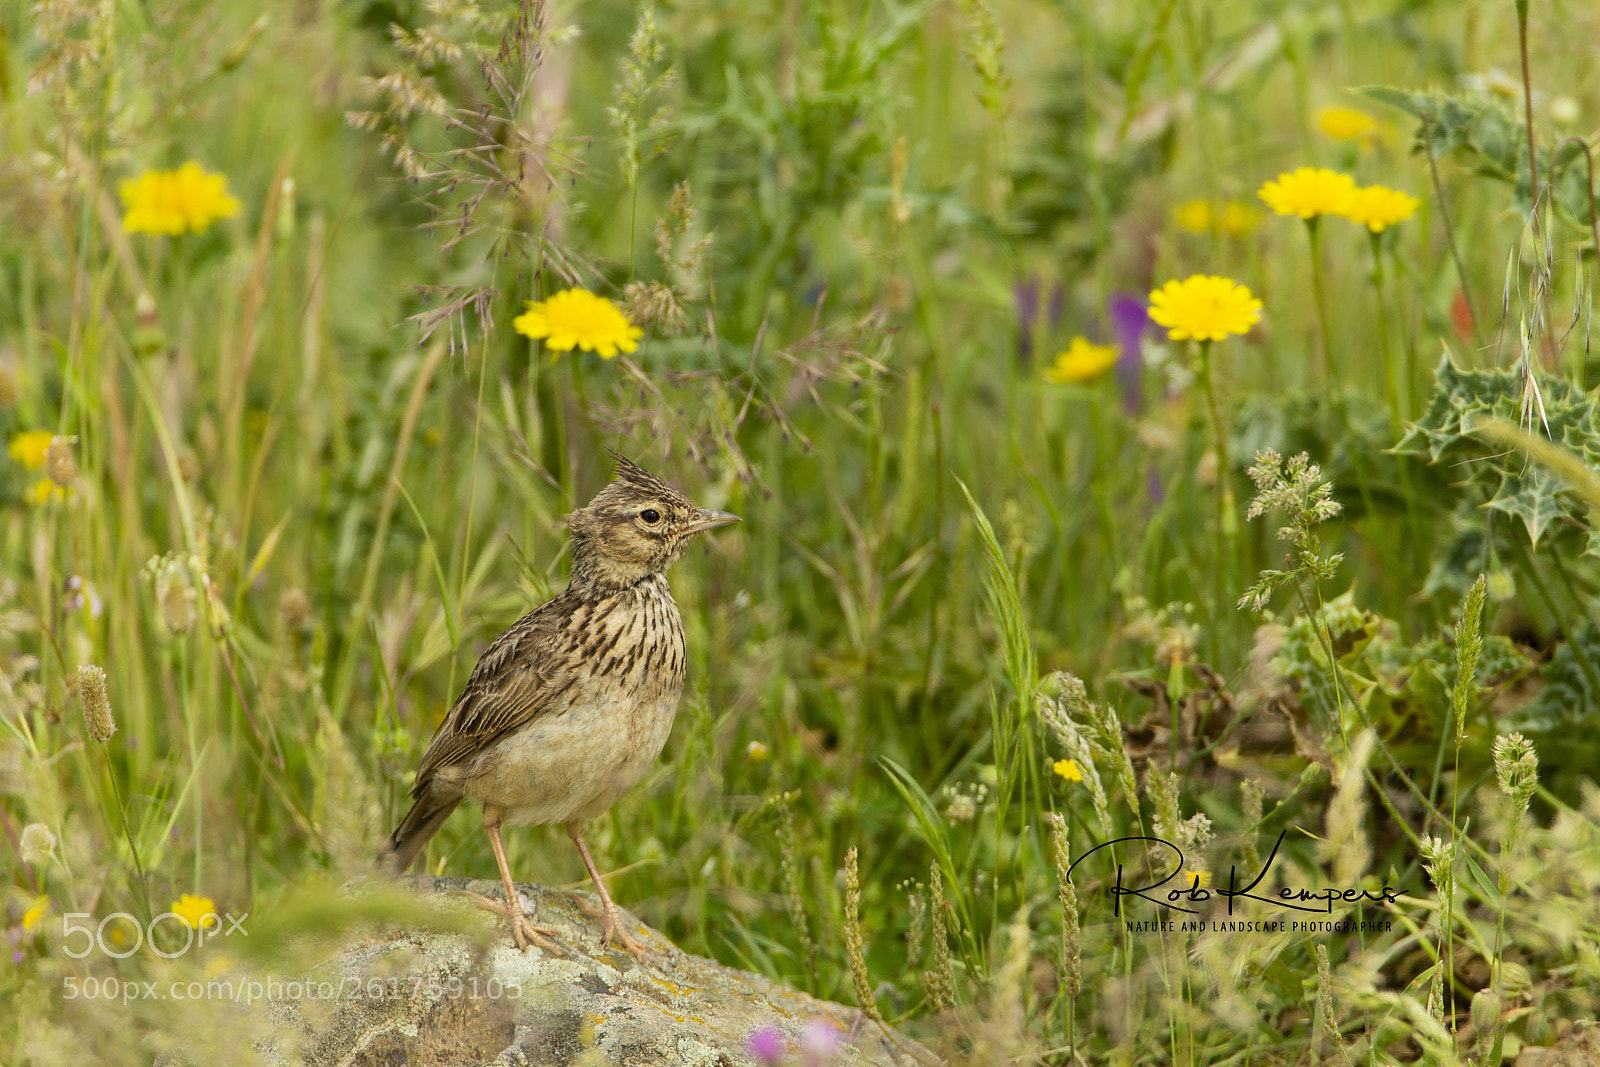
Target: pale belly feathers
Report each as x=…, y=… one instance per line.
x=571, y=764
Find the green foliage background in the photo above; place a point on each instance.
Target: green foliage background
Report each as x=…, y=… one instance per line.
x=319, y=413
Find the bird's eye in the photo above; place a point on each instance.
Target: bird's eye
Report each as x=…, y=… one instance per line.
x=650, y=515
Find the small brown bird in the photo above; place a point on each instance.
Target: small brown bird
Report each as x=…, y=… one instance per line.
x=568, y=708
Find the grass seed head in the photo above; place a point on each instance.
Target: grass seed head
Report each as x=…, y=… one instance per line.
x=1071, y=974
x=59, y=465
x=294, y=608
x=940, y=981
x=855, y=948
x=37, y=843
x=97, y=717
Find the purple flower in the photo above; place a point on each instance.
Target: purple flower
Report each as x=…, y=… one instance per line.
x=766, y=1044
x=1128, y=322
x=1026, y=296
x=819, y=1041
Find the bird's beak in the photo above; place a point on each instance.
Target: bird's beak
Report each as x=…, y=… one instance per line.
x=710, y=520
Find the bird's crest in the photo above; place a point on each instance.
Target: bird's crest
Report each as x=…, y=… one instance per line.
x=630, y=472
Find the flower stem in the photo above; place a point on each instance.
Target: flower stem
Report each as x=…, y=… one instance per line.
x=1227, y=520
x=1400, y=393
x=1396, y=407
x=578, y=375
x=553, y=444
x=1314, y=232
x=1449, y=228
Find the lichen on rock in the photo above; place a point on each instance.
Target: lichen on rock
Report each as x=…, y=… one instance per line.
x=442, y=996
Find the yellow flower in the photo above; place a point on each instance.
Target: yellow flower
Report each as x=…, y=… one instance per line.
x=1081, y=362
x=1194, y=216
x=1346, y=123
x=1377, y=207
x=195, y=910
x=29, y=448
x=31, y=917
x=1232, y=218
x=1205, y=307
x=43, y=492
x=1309, y=192
x=175, y=202
x=1067, y=769
x=1196, y=879
x=1239, y=220
x=574, y=318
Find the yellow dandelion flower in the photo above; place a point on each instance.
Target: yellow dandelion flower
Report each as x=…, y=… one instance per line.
x=1232, y=218
x=1205, y=307
x=29, y=448
x=43, y=492
x=195, y=910
x=1196, y=879
x=1239, y=220
x=574, y=318
x=31, y=917
x=176, y=202
x=1195, y=216
x=1309, y=192
x=1377, y=207
x=1067, y=769
x=1346, y=123
x=1081, y=361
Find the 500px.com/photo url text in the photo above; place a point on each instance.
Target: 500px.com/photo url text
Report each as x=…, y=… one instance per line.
x=251, y=990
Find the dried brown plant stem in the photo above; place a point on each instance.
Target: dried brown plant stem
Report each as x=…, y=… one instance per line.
x=255, y=298
x=1533, y=162
x=105, y=207
x=1527, y=99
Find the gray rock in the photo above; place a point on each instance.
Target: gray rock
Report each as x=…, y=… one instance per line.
x=440, y=996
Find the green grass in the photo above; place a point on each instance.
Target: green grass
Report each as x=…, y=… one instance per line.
x=312, y=430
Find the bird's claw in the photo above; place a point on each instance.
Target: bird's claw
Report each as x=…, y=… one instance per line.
x=523, y=931
x=527, y=933
x=614, y=931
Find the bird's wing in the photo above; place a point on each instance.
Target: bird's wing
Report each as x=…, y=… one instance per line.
x=522, y=675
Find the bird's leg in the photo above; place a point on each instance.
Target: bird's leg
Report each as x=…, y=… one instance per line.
x=522, y=930
x=613, y=914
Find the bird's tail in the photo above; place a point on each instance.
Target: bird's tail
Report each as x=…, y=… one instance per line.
x=421, y=823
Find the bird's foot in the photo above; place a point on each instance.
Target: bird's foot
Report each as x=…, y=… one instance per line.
x=523, y=931
x=615, y=931
x=610, y=916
